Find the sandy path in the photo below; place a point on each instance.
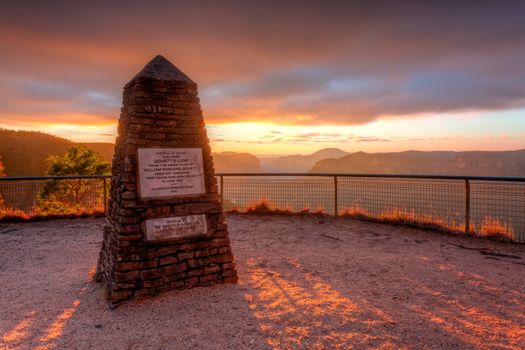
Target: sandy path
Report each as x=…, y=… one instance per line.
x=305, y=283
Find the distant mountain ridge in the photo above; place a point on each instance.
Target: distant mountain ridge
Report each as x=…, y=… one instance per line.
x=299, y=163
x=233, y=162
x=23, y=153
x=474, y=163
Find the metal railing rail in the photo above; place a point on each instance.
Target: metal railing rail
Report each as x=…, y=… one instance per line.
x=401, y=176
x=394, y=176
x=69, y=177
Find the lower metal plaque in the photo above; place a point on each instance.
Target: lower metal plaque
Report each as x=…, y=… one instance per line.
x=175, y=227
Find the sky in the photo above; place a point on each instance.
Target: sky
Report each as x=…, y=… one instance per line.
x=277, y=77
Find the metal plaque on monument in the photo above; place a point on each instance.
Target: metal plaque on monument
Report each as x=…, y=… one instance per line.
x=165, y=226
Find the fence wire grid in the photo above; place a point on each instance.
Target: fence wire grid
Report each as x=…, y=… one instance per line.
x=53, y=196
x=481, y=206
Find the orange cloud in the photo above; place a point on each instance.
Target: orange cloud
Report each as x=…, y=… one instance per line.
x=342, y=63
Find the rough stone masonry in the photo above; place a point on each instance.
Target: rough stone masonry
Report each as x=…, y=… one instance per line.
x=165, y=225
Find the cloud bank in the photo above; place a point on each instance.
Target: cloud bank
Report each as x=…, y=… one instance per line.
x=286, y=62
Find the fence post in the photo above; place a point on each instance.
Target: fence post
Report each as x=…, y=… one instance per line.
x=222, y=191
x=467, y=207
x=336, y=209
x=105, y=197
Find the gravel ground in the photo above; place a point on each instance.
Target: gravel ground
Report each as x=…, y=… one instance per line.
x=305, y=283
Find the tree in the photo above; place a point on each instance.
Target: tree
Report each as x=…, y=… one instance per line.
x=78, y=160
x=65, y=196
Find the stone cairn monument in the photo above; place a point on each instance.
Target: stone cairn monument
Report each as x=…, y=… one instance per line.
x=165, y=226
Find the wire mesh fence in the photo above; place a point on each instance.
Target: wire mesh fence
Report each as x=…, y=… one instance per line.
x=482, y=206
x=31, y=197
x=278, y=192
x=419, y=201
x=492, y=207
x=498, y=208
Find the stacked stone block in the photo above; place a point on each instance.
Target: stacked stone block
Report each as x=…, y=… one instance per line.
x=161, y=109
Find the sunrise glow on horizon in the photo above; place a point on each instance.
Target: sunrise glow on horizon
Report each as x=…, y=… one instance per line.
x=496, y=131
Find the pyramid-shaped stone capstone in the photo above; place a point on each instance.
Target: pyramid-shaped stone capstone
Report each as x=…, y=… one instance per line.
x=160, y=68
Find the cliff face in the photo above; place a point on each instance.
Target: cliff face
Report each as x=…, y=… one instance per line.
x=478, y=163
x=232, y=162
